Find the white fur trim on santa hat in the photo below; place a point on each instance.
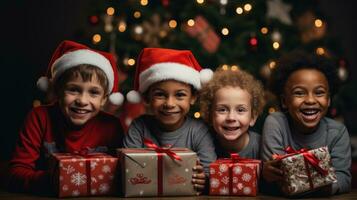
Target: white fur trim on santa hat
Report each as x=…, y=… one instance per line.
x=43, y=83
x=116, y=98
x=133, y=96
x=83, y=56
x=206, y=75
x=166, y=71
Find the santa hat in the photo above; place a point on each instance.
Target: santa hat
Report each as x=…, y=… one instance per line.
x=158, y=64
x=70, y=54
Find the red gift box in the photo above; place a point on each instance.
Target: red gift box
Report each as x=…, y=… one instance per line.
x=234, y=177
x=203, y=31
x=84, y=175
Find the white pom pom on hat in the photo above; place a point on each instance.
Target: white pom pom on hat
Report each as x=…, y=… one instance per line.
x=158, y=64
x=70, y=54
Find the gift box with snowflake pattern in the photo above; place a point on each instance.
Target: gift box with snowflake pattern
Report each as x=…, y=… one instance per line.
x=234, y=178
x=89, y=175
x=146, y=172
x=299, y=174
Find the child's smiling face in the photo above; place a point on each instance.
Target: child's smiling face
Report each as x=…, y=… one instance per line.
x=306, y=98
x=232, y=113
x=170, y=101
x=81, y=100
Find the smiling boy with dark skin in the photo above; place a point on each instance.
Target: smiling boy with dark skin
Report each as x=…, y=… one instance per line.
x=305, y=85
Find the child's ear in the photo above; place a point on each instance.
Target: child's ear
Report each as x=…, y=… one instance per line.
x=104, y=101
x=193, y=99
x=329, y=101
x=252, y=121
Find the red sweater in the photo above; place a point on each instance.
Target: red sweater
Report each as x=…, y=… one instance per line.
x=46, y=131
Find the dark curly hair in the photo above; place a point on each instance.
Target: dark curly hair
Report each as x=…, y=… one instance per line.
x=297, y=60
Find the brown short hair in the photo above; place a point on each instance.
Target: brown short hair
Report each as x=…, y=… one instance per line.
x=234, y=78
x=84, y=71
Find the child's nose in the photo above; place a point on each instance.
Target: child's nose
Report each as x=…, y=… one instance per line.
x=310, y=98
x=232, y=116
x=82, y=99
x=170, y=102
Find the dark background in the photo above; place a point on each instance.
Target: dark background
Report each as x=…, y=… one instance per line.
x=31, y=30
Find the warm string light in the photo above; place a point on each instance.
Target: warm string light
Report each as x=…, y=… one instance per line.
x=131, y=62
x=272, y=64
x=276, y=45
x=271, y=110
x=239, y=10
x=137, y=14
x=96, y=38
x=320, y=51
x=247, y=7
x=264, y=30
x=190, y=22
x=225, y=67
x=318, y=23
x=197, y=115
x=144, y=2
x=200, y=1
x=122, y=26
x=172, y=23
x=225, y=31
x=110, y=11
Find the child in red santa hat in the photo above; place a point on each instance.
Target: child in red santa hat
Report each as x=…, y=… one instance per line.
x=82, y=79
x=168, y=81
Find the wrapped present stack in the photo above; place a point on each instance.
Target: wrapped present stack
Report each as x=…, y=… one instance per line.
x=236, y=177
x=84, y=175
x=157, y=172
x=306, y=170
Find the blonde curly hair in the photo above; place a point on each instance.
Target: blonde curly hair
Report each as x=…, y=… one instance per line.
x=233, y=78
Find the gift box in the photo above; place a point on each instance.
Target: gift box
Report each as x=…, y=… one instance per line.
x=150, y=172
x=205, y=34
x=84, y=175
x=234, y=177
x=305, y=170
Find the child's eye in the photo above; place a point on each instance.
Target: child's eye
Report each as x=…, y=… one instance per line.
x=298, y=93
x=241, y=109
x=72, y=90
x=320, y=93
x=181, y=94
x=158, y=94
x=221, y=110
x=95, y=92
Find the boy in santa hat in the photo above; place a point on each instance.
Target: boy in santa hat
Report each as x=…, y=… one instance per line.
x=168, y=81
x=82, y=80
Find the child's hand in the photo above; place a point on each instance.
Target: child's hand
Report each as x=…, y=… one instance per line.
x=271, y=171
x=198, y=178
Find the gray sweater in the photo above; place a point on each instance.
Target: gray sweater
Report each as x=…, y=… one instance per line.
x=250, y=151
x=277, y=134
x=193, y=134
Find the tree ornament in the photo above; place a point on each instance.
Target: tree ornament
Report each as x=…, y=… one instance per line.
x=165, y=3
x=204, y=33
x=223, y=4
x=279, y=10
x=154, y=30
x=93, y=19
x=276, y=36
x=342, y=70
x=308, y=30
x=265, y=71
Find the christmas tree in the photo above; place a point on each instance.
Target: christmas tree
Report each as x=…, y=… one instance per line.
x=249, y=35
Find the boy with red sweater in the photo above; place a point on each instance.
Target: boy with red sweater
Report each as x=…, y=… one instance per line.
x=82, y=80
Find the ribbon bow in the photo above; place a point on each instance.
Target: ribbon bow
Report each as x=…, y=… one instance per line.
x=158, y=149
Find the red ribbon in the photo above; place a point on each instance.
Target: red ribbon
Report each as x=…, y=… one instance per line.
x=84, y=152
x=160, y=152
x=308, y=158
